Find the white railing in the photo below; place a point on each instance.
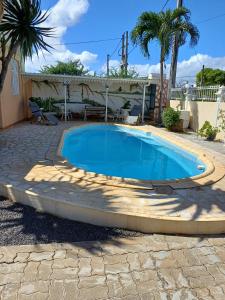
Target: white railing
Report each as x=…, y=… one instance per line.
x=203, y=93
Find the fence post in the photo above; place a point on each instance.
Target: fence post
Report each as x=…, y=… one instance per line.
x=188, y=95
x=220, y=97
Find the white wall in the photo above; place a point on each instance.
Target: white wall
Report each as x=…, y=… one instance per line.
x=200, y=112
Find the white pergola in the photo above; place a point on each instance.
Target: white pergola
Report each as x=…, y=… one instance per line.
x=66, y=80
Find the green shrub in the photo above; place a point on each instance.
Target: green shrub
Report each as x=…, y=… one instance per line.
x=126, y=105
x=47, y=104
x=170, y=118
x=208, y=131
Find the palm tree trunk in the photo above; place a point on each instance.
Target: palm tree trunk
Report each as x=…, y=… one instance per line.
x=161, y=89
x=5, y=64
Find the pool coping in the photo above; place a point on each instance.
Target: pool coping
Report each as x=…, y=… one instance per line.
x=214, y=171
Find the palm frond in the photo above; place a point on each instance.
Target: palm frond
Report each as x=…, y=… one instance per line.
x=21, y=24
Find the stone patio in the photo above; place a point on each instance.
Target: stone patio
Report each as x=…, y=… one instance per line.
x=150, y=267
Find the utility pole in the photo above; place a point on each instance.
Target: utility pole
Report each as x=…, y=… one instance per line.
x=202, y=76
x=107, y=65
x=126, y=52
x=173, y=67
x=123, y=55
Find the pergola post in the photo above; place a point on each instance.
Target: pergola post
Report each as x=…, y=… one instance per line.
x=65, y=101
x=143, y=102
x=106, y=102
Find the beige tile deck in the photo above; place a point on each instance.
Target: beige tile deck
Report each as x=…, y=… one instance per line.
x=31, y=174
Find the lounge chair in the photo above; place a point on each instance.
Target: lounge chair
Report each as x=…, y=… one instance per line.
x=45, y=118
x=134, y=116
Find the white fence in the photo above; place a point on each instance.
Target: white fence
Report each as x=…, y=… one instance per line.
x=203, y=93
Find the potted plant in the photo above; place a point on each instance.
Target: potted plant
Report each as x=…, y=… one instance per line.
x=125, y=108
x=208, y=131
x=171, y=119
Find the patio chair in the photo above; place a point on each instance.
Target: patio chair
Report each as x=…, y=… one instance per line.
x=134, y=116
x=45, y=118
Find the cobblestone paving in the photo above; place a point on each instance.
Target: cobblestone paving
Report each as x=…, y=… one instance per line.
x=150, y=267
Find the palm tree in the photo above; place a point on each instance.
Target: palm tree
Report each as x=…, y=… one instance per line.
x=20, y=30
x=163, y=26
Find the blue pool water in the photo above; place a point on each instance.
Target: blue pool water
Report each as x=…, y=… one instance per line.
x=129, y=153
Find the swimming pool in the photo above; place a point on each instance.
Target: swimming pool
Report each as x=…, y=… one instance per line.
x=128, y=153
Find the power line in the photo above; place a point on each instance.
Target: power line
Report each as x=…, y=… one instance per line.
x=197, y=57
x=132, y=50
x=212, y=18
x=87, y=42
x=165, y=5
x=117, y=46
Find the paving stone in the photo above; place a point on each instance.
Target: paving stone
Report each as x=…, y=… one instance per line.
x=56, y=290
x=12, y=268
x=31, y=271
x=115, y=289
x=21, y=257
x=201, y=293
x=164, y=259
x=142, y=276
x=97, y=265
x=64, y=263
x=134, y=262
x=92, y=281
x=36, y=296
x=146, y=260
x=195, y=271
x=115, y=259
x=45, y=270
x=117, y=268
x=60, y=254
x=182, y=294
x=10, y=278
x=201, y=282
x=215, y=272
x=39, y=256
x=84, y=267
x=217, y=293
x=129, y=286
x=9, y=291
x=94, y=293
x=67, y=273
x=8, y=256
x=71, y=290
x=146, y=287
x=29, y=288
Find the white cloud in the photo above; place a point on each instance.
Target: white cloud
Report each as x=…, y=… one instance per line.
x=186, y=69
x=113, y=63
x=64, y=14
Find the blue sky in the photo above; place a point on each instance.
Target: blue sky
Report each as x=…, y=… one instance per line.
x=84, y=20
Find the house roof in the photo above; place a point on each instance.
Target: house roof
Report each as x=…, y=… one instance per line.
x=89, y=79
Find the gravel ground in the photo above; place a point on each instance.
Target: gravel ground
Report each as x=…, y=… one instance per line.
x=23, y=225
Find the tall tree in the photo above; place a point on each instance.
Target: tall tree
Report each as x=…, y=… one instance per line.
x=71, y=67
x=20, y=30
x=210, y=76
x=162, y=27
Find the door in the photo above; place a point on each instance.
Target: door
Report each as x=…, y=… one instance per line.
x=150, y=100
